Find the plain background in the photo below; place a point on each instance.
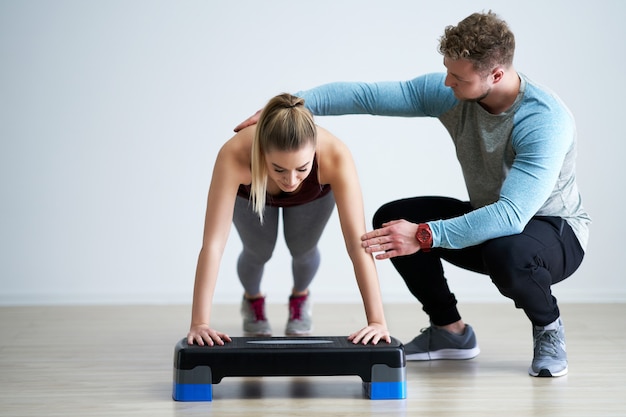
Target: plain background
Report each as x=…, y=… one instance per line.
x=112, y=112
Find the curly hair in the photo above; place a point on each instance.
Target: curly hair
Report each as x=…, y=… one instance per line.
x=481, y=38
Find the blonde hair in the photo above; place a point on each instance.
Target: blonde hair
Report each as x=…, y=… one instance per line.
x=483, y=39
x=284, y=125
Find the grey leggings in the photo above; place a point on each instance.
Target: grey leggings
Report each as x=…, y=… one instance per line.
x=302, y=226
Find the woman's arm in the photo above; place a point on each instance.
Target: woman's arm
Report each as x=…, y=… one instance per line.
x=231, y=169
x=337, y=168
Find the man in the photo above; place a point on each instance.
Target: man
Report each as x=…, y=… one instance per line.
x=524, y=224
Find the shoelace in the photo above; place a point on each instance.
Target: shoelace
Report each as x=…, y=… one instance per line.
x=258, y=309
x=295, y=307
x=547, y=343
x=427, y=330
x=429, y=333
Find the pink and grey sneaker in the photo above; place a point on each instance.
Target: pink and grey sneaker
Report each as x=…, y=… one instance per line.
x=300, y=310
x=254, y=320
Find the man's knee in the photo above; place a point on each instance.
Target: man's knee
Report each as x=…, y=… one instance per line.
x=504, y=262
x=384, y=214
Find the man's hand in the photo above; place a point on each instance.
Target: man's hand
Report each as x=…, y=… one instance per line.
x=395, y=238
x=252, y=120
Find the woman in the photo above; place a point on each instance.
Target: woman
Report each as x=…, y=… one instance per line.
x=284, y=161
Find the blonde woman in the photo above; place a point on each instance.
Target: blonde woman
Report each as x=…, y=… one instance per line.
x=284, y=163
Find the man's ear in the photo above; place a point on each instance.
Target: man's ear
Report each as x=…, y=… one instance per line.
x=498, y=74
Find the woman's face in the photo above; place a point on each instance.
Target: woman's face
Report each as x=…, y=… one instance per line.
x=289, y=168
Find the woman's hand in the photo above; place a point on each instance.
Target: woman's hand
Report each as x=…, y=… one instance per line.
x=202, y=334
x=372, y=333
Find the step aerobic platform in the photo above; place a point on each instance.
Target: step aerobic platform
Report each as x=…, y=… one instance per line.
x=382, y=367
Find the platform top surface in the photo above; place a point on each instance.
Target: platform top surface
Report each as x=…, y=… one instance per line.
x=316, y=342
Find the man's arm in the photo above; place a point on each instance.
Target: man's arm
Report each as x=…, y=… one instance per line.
x=422, y=96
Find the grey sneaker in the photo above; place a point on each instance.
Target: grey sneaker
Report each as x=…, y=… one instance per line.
x=550, y=356
x=254, y=321
x=300, y=322
x=436, y=343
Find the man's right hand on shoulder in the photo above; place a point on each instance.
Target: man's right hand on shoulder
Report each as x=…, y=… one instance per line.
x=252, y=120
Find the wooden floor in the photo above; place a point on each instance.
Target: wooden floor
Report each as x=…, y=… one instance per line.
x=117, y=361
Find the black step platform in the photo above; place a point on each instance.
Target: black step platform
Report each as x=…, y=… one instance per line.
x=382, y=367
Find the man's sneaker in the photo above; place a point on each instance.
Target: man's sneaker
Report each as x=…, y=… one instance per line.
x=436, y=343
x=254, y=321
x=550, y=356
x=300, y=322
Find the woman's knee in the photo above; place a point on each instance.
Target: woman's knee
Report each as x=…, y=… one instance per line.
x=303, y=252
x=258, y=255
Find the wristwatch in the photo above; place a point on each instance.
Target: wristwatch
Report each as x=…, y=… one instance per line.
x=424, y=237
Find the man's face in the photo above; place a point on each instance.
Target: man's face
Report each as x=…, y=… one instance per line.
x=466, y=83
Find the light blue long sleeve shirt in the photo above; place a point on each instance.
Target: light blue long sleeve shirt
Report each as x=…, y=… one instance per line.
x=516, y=164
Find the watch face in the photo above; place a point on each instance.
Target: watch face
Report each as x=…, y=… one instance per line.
x=424, y=237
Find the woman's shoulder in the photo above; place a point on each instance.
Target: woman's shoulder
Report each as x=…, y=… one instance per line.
x=241, y=141
x=235, y=154
x=333, y=155
x=330, y=144
x=239, y=146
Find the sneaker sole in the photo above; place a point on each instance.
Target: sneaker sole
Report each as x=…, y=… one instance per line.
x=545, y=373
x=256, y=334
x=300, y=333
x=442, y=354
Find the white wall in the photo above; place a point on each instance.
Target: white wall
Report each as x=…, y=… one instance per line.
x=111, y=113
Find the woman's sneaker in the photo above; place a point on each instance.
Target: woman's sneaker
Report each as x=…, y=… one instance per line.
x=550, y=355
x=254, y=320
x=300, y=322
x=436, y=343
